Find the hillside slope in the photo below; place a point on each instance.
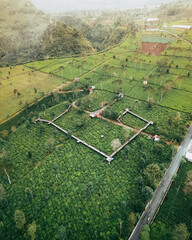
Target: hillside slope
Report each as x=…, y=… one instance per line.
x=24, y=30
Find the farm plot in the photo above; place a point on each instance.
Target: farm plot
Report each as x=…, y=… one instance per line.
x=85, y=194
x=73, y=120
x=178, y=99
x=22, y=85
x=145, y=92
x=96, y=101
x=40, y=65
x=176, y=208
x=169, y=124
x=133, y=121
x=104, y=135
x=184, y=83
x=96, y=132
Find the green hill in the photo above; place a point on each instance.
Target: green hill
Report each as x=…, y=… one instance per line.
x=24, y=30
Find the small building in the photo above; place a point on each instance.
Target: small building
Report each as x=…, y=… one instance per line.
x=188, y=153
x=145, y=83
x=76, y=79
x=156, y=138
x=182, y=26
x=92, y=87
x=92, y=115
x=152, y=19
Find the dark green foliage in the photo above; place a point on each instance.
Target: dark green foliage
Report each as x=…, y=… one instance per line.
x=55, y=168
x=109, y=113
x=145, y=234
x=180, y=232
x=29, y=195
x=62, y=232
x=174, y=211
x=29, y=154
x=147, y=193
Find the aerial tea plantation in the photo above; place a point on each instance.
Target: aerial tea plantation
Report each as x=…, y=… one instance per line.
x=55, y=187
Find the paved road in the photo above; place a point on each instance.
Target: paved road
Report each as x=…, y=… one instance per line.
x=160, y=30
x=160, y=193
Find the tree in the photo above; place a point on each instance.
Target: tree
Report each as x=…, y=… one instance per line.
x=47, y=194
x=131, y=221
x=116, y=144
x=4, y=162
x=49, y=145
x=160, y=231
x=150, y=102
x=152, y=174
x=69, y=133
x=43, y=107
x=41, y=128
x=147, y=193
x=145, y=233
x=32, y=229
x=27, y=124
x=188, y=184
x=19, y=218
x=3, y=198
x=2, y=143
x=55, y=168
x=4, y=133
x=62, y=232
x=29, y=154
x=35, y=90
x=13, y=128
x=180, y=232
x=29, y=194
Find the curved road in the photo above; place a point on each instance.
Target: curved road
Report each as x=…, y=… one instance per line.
x=159, y=195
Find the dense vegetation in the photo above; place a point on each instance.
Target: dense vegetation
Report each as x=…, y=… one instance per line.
x=53, y=187
x=176, y=209
x=28, y=34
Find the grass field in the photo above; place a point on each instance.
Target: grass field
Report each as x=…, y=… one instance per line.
x=24, y=80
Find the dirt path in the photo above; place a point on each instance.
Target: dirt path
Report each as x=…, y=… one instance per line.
x=61, y=86
x=110, y=120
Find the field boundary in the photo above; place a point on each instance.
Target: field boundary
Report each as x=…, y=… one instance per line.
x=109, y=158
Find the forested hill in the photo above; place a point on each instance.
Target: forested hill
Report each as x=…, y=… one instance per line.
x=102, y=32
x=28, y=34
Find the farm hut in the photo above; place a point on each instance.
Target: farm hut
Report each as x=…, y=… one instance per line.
x=182, y=26
x=100, y=112
x=155, y=45
x=152, y=19
x=92, y=87
x=98, y=116
x=145, y=83
x=156, y=138
x=76, y=79
x=92, y=115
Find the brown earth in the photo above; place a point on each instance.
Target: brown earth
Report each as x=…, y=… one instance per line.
x=153, y=48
